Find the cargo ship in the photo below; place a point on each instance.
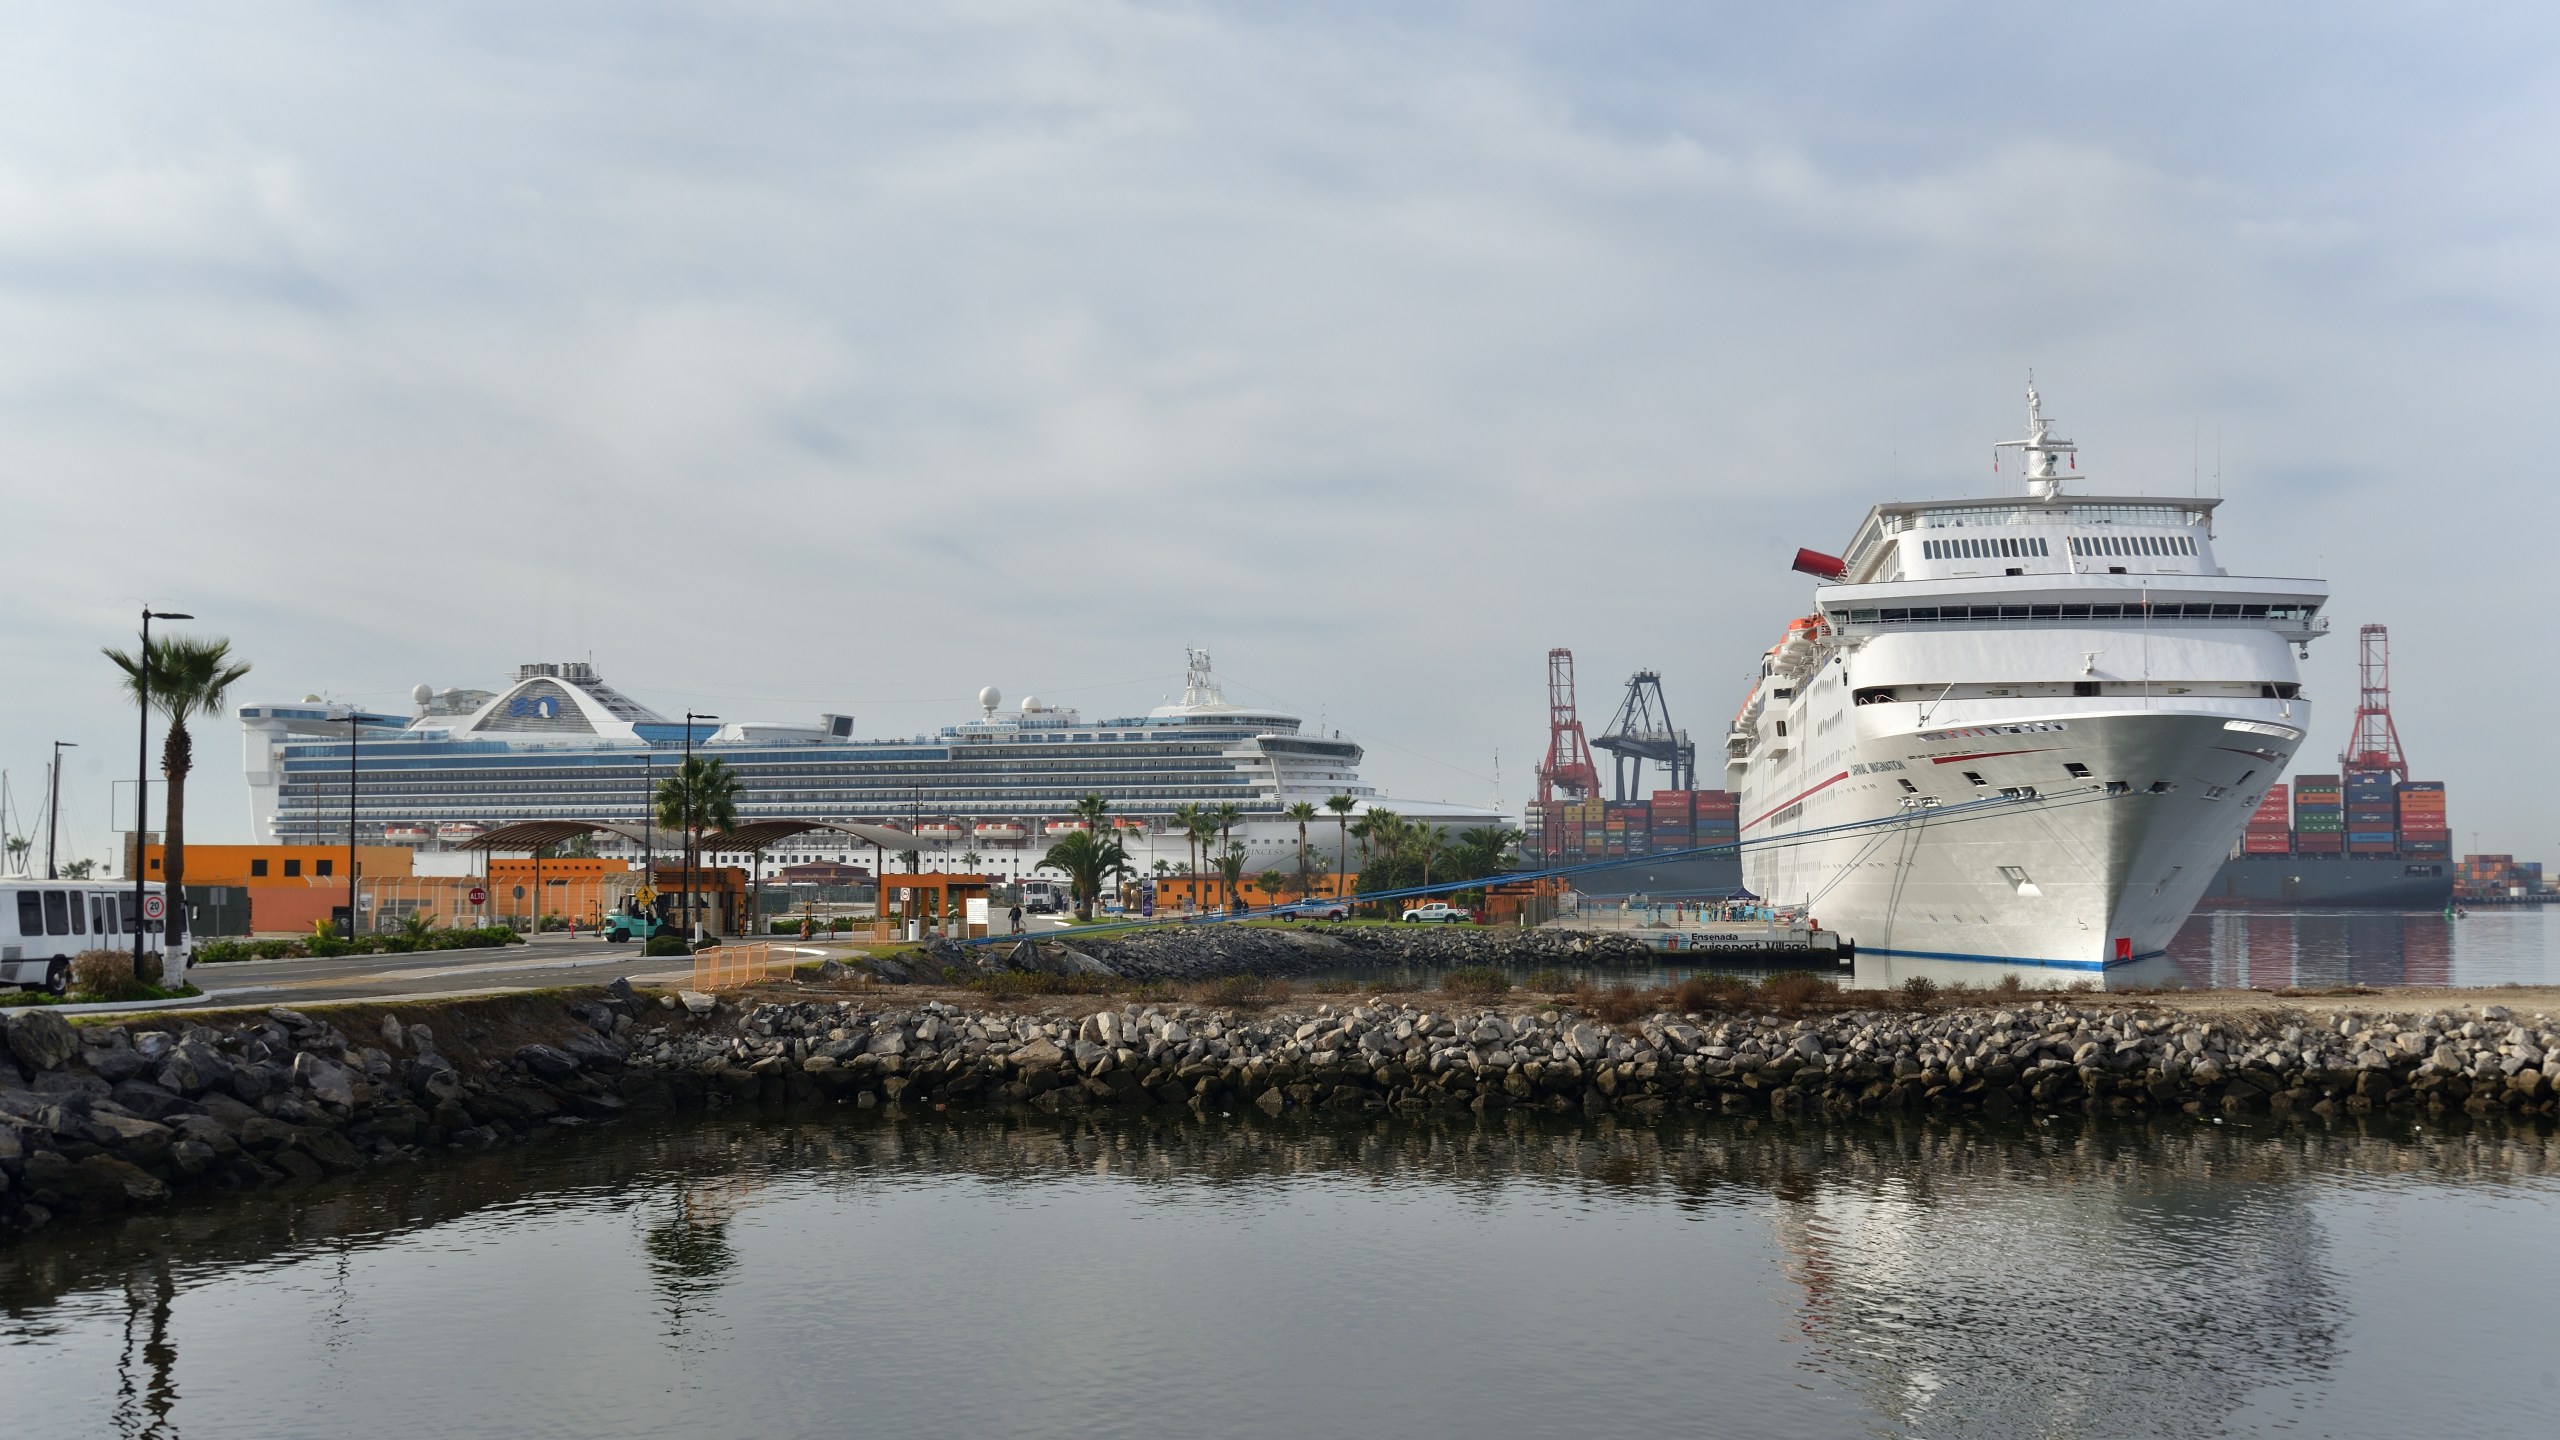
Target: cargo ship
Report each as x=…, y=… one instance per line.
x=1648, y=847
x=2367, y=836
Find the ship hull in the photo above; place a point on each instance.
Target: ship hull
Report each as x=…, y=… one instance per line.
x=2058, y=875
x=2326, y=881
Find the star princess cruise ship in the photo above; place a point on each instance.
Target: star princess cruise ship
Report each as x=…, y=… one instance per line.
x=2018, y=733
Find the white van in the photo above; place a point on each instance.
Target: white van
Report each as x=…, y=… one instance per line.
x=43, y=923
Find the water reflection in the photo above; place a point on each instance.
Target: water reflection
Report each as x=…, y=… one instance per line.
x=1946, y=1278
x=2272, y=949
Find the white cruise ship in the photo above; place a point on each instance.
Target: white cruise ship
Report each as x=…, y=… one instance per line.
x=2018, y=732
x=561, y=744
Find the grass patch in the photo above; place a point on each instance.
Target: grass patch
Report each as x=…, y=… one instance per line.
x=1481, y=981
x=1243, y=992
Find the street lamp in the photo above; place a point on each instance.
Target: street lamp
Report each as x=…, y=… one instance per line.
x=53, y=804
x=352, y=740
x=687, y=780
x=142, y=778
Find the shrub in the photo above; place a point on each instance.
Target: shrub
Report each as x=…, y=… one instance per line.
x=1704, y=994
x=2010, y=986
x=1483, y=981
x=221, y=952
x=1796, y=991
x=665, y=945
x=1554, y=982
x=1023, y=984
x=1918, y=991
x=1617, y=1005
x=1243, y=992
x=108, y=975
x=1154, y=990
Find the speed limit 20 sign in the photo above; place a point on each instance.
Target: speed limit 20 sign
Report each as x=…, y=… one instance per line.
x=153, y=907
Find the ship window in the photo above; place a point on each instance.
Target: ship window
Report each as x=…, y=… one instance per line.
x=2161, y=787
x=1976, y=777
x=2084, y=689
x=2119, y=787
x=2075, y=769
x=1907, y=787
x=2115, y=569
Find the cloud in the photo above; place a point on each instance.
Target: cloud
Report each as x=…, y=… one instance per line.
x=1026, y=343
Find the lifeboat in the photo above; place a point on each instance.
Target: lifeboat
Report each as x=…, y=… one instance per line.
x=407, y=834
x=939, y=830
x=1001, y=830
x=1057, y=828
x=460, y=830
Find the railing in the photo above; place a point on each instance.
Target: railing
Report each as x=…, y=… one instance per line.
x=727, y=967
x=2048, y=616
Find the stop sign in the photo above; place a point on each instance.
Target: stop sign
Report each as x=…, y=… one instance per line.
x=478, y=895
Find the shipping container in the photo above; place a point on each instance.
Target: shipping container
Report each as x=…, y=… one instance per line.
x=2318, y=844
x=2267, y=845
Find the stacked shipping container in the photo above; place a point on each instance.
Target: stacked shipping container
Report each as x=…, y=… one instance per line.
x=2319, y=815
x=1570, y=831
x=2423, y=827
x=2373, y=813
x=2270, y=829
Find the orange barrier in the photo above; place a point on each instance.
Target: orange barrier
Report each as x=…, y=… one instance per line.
x=728, y=966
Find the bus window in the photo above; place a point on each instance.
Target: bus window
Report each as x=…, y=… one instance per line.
x=109, y=909
x=79, y=914
x=98, y=920
x=57, y=913
x=30, y=912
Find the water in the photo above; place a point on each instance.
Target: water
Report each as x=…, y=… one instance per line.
x=1250, y=1277
x=2265, y=949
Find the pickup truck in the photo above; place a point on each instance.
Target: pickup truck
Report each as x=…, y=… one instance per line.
x=1316, y=910
x=1436, y=910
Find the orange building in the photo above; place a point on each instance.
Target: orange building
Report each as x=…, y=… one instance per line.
x=255, y=865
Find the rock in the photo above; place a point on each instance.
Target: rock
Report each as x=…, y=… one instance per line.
x=695, y=1002
x=547, y=1062
x=117, y=1063
x=393, y=1033
x=1039, y=1053
x=41, y=1039
x=831, y=970
x=191, y=1069
x=327, y=1080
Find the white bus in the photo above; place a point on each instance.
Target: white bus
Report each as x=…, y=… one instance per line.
x=43, y=923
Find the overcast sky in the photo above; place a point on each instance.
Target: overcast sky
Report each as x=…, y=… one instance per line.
x=787, y=358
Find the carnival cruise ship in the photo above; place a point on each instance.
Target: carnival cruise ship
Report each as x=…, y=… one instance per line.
x=2018, y=732
x=561, y=744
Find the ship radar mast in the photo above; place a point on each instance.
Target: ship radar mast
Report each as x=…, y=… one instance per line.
x=1199, y=686
x=2041, y=447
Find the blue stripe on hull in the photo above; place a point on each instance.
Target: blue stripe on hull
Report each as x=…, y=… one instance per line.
x=2007, y=959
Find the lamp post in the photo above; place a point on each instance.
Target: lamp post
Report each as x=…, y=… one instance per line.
x=352, y=741
x=649, y=831
x=142, y=777
x=53, y=803
x=687, y=779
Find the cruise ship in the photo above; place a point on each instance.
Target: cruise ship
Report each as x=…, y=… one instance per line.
x=2019, y=732
x=561, y=744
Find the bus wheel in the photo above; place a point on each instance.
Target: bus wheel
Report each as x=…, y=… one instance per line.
x=57, y=978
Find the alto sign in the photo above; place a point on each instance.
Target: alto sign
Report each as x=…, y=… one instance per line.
x=479, y=896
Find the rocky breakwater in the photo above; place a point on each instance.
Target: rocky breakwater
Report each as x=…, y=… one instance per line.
x=1202, y=952
x=100, y=1118
x=107, y=1117
x=2046, y=1056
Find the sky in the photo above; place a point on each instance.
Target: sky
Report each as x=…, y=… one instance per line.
x=786, y=358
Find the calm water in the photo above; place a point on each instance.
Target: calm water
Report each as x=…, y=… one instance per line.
x=2266, y=949
x=1244, y=1277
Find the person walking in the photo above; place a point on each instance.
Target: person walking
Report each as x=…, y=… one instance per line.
x=1015, y=915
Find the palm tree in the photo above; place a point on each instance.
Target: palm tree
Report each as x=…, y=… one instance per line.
x=702, y=791
x=1091, y=810
x=1302, y=812
x=1203, y=826
x=1231, y=870
x=18, y=847
x=1085, y=858
x=1271, y=883
x=1431, y=841
x=1341, y=806
x=1228, y=816
x=188, y=677
x=1186, y=818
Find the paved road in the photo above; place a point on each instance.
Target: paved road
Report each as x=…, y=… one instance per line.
x=551, y=960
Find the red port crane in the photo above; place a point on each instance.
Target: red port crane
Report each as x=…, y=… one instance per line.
x=1567, y=773
x=2376, y=742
